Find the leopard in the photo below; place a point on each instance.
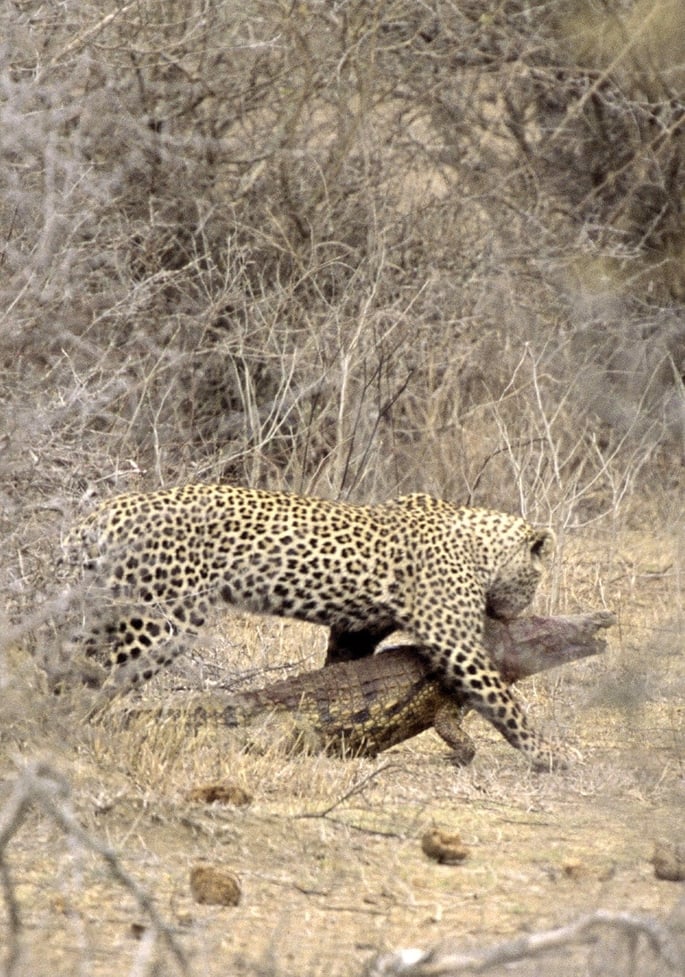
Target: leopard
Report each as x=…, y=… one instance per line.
x=159, y=564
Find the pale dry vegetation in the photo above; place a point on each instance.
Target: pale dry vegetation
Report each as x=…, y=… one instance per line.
x=353, y=249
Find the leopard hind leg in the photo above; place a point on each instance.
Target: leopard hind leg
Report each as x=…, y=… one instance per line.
x=123, y=646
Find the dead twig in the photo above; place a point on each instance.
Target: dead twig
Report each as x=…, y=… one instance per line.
x=39, y=784
x=446, y=961
x=356, y=788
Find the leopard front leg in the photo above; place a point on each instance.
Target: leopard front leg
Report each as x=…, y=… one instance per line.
x=483, y=689
x=448, y=627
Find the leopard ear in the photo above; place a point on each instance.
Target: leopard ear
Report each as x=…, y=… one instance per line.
x=542, y=543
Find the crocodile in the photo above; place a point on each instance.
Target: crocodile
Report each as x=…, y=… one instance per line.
x=362, y=707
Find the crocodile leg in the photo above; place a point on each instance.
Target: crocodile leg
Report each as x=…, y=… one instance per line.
x=447, y=723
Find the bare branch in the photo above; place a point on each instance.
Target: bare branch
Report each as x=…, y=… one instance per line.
x=39, y=784
x=446, y=960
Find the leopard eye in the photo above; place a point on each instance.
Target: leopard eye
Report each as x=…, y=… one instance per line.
x=538, y=546
x=543, y=543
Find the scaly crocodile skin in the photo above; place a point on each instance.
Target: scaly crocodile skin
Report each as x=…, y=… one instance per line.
x=366, y=706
